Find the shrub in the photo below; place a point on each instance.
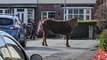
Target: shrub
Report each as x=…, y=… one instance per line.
x=103, y=40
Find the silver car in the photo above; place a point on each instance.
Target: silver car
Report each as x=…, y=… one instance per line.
x=10, y=49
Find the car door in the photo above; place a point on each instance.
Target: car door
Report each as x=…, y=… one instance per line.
x=16, y=52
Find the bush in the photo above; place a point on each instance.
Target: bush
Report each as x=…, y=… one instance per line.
x=102, y=51
x=103, y=40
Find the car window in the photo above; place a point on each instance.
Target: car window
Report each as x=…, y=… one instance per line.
x=4, y=52
x=6, y=21
x=14, y=50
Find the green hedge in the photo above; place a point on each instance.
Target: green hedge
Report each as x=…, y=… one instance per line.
x=103, y=40
x=87, y=21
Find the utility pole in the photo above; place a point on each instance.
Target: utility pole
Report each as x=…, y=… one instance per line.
x=64, y=9
x=37, y=12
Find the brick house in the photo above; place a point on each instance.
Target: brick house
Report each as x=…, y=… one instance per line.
x=36, y=9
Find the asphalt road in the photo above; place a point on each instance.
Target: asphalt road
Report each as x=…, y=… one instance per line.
x=56, y=49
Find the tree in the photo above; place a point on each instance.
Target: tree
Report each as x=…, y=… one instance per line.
x=101, y=15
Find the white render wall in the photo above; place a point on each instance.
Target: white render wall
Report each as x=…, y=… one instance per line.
x=45, y=1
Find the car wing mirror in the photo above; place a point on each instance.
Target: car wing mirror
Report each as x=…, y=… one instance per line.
x=36, y=57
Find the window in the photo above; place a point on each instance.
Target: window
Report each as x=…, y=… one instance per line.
x=51, y=15
x=47, y=14
x=87, y=11
x=82, y=14
x=4, y=52
x=14, y=49
x=70, y=16
x=1, y=11
x=7, y=11
x=76, y=13
x=30, y=14
x=81, y=17
x=81, y=11
x=70, y=11
x=20, y=10
x=87, y=17
x=6, y=21
x=44, y=14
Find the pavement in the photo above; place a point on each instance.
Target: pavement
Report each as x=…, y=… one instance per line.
x=56, y=49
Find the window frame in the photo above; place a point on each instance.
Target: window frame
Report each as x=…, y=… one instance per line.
x=84, y=12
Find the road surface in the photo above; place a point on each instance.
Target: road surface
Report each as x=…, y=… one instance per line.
x=56, y=49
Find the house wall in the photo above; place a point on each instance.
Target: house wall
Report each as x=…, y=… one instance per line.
x=51, y=7
x=59, y=9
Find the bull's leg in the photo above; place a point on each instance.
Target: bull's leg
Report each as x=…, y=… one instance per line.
x=44, y=40
x=67, y=42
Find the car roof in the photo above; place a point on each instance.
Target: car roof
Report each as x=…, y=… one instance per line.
x=7, y=16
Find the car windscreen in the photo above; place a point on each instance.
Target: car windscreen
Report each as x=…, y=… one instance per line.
x=6, y=21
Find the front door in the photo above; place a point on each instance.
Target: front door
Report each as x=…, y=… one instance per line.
x=22, y=14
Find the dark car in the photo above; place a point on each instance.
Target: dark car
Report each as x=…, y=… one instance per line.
x=10, y=49
x=12, y=25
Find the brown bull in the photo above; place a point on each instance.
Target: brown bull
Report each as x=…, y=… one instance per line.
x=58, y=27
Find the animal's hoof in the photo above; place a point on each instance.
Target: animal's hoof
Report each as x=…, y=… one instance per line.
x=67, y=45
x=42, y=44
x=46, y=44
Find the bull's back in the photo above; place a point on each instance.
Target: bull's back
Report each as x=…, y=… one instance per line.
x=58, y=27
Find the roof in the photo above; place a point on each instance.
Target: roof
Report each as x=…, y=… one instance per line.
x=47, y=1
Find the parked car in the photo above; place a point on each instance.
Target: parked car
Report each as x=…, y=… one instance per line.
x=12, y=25
x=10, y=49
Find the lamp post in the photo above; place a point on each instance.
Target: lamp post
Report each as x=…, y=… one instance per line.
x=37, y=12
x=64, y=9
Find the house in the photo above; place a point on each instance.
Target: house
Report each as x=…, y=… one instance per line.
x=36, y=9
x=28, y=10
